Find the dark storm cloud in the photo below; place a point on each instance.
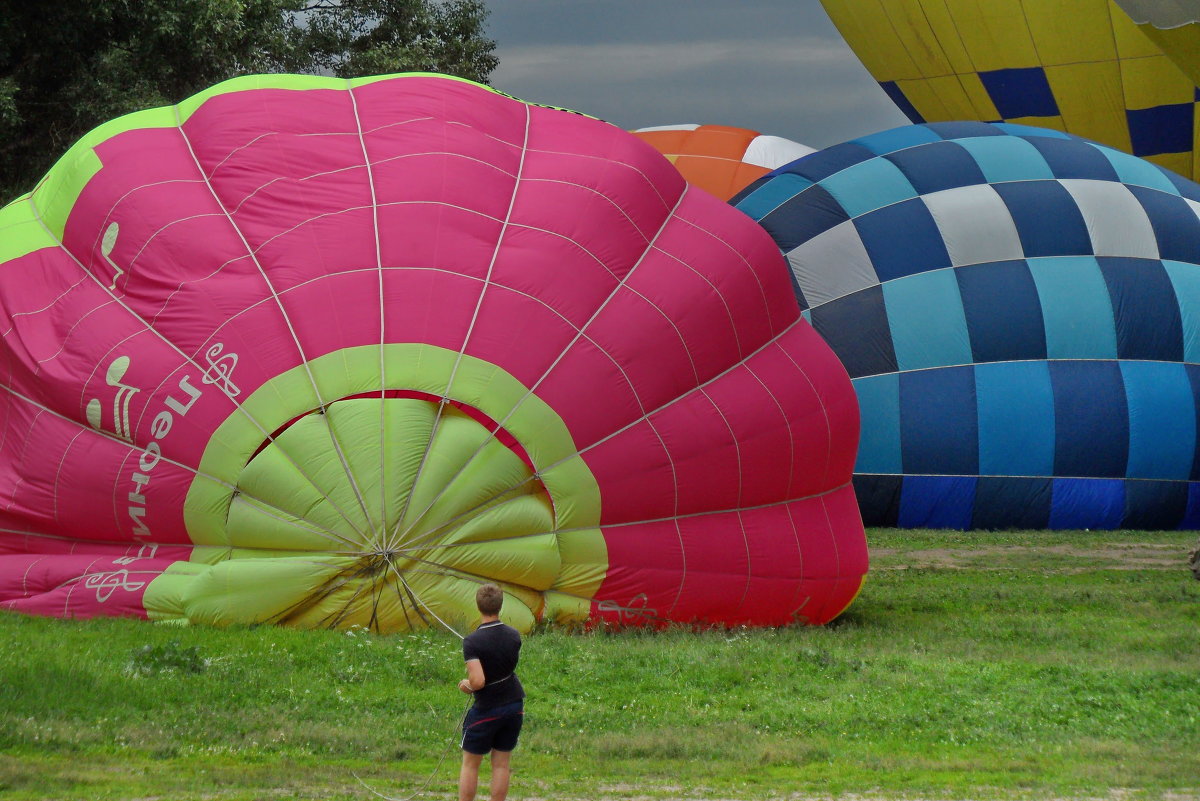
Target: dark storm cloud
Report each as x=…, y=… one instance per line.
x=776, y=66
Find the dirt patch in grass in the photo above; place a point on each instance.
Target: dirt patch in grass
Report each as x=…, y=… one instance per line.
x=1060, y=558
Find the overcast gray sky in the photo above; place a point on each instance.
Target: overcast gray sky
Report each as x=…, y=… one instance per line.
x=776, y=66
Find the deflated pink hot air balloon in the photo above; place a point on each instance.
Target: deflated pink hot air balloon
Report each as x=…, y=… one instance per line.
x=329, y=353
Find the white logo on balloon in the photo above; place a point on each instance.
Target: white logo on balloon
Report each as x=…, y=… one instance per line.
x=95, y=417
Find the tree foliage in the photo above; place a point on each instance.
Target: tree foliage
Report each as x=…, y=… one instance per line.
x=68, y=66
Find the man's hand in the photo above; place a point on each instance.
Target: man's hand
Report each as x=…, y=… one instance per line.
x=465, y=686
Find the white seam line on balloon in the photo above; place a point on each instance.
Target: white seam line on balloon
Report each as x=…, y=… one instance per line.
x=607, y=162
x=377, y=533
x=62, y=459
x=787, y=423
x=82, y=320
x=824, y=411
x=499, y=424
x=737, y=449
x=162, y=229
x=484, y=215
x=833, y=539
x=616, y=206
x=170, y=298
x=282, y=311
x=353, y=167
x=34, y=312
x=311, y=135
x=678, y=398
x=22, y=450
x=397, y=124
x=737, y=254
x=25, y=575
x=133, y=450
x=104, y=223
x=720, y=296
x=799, y=558
x=136, y=317
x=398, y=536
x=7, y=424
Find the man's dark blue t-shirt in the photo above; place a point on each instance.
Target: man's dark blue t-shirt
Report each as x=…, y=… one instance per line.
x=497, y=646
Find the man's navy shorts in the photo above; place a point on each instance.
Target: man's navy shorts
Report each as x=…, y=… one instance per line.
x=496, y=728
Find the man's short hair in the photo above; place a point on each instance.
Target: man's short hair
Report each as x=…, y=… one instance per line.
x=489, y=598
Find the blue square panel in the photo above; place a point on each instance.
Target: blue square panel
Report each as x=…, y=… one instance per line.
x=1021, y=92
x=1088, y=503
x=1161, y=129
x=937, y=502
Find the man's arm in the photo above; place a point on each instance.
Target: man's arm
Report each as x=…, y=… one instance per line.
x=475, y=678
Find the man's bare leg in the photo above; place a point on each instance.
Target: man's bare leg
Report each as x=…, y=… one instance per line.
x=500, y=774
x=468, y=776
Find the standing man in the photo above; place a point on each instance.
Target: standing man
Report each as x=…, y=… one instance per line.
x=493, y=722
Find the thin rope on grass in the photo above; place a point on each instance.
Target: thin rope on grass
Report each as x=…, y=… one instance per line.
x=437, y=768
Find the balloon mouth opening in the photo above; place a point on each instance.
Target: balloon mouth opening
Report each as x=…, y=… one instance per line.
x=502, y=435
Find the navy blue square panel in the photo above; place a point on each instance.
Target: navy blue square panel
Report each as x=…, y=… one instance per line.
x=1155, y=505
x=803, y=216
x=1070, y=158
x=1004, y=314
x=939, y=427
x=1175, y=224
x=856, y=327
x=1091, y=419
x=1191, y=518
x=964, y=130
x=1047, y=217
x=901, y=100
x=1021, y=92
x=1162, y=129
x=937, y=166
x=1094, y=503
x=937, y=502
x=1012, y=503
x=824, y=163
x=1145, y=309
x=902, y=239
x=878, y=499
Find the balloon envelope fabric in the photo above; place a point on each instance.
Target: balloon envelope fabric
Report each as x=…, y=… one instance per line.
x=720, y=159
x=1019, y=311
x=1079, y=66
x=330, y=353
x=1173, y=25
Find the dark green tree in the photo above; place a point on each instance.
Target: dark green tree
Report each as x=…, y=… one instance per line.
x=68, y=66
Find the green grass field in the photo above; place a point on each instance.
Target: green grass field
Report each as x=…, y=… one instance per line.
x=979, y=665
